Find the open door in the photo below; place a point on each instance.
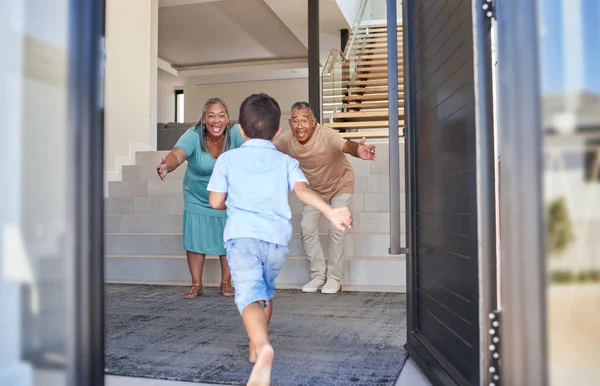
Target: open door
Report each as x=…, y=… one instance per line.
x=451, y=267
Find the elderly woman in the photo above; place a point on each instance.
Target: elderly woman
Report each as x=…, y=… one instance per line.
x=203, y=226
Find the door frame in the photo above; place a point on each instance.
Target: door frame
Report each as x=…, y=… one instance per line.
x=86, y=217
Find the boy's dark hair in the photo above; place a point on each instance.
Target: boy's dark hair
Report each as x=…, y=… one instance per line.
x=259, y=116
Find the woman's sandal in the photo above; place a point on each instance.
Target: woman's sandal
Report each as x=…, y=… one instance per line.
x=227, y=289
x=195, y=291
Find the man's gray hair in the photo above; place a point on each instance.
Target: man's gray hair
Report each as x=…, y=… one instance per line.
x=302, y=106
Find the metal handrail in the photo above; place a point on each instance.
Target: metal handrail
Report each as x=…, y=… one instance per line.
x=338, y=57
x=357, y=21
x=331, y=60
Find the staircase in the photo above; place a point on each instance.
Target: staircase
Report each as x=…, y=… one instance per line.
x=355, y=85
x=143, y=231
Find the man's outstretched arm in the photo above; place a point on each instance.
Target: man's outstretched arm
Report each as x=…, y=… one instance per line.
x=360, y=150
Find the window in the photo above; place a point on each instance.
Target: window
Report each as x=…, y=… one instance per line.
x=179, y=106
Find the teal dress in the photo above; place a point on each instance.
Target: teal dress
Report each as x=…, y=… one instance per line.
x=203, y=226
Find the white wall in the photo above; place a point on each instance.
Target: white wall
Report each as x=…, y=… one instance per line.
x=286, y=92
x=166, y=103
x=378, y=10
x=131, y=80
x=349, y=9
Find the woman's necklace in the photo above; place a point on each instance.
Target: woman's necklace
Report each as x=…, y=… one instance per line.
x=215, y=142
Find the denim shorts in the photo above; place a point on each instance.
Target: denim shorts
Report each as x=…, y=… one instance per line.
x=254, y=265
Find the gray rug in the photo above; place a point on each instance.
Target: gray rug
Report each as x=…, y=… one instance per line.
x=354, y=338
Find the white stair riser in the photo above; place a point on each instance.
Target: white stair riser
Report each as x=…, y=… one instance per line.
x=146, y=162
x=150, y=158
x=368, y=202
x=148, y=172
x=293, y=274
x=372, y=223
x=359, y=245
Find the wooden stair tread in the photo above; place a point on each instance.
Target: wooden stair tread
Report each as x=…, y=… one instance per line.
x=378, y=51
x=361, y=125
x=363, y=69
x=371, y=90
x=368, y=39
x=369, y=66
x=380, y=73
x=370, y=26
x=379, y=45
x=375, y=60
x=383, y=36
x=371, y=105
x=370, y=97
x=369, y=82
x=365, y=114
x=368, y=58
x=375, y=75
x=368, y=134
x=376, y=32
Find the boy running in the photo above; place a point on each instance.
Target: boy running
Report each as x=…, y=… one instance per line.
x=252, y=182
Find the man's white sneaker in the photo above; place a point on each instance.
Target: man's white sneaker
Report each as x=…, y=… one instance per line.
x=331, y=287
x=313, y=286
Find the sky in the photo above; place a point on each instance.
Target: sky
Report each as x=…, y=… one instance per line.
x=574, y=65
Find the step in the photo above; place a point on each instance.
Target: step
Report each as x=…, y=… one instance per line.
x=371, y=67
x=148, y=172
x=375, y=62
x=370, y=45
x=365, y=134
x=358, y=244
x=376, y=75
x=378, y=38
x=363, y=34
x=378, y=26
x=143, y=223
x=145, y=188
x=363, y=115
x=150, y=157
x=361, y=125
x=364, y=75
x=385, y=274
x=370, y=82
x=143, y=205
x=369, y=90
x=370, y=97
x=370, y=53
x=377, y=69
x=374, y=39
x=364, y=222
x=371, y=105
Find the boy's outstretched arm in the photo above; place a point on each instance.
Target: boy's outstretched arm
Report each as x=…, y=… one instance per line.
x=340, y=217
x=217, y=200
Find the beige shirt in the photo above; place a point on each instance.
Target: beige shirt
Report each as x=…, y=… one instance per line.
x=322, y=161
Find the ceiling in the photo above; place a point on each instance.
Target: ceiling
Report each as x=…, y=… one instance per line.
x=224, y=31
x=212, y=41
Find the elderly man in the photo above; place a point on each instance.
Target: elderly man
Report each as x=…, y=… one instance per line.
x=321, y=152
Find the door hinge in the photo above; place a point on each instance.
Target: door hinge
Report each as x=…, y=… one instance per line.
x=494, y=349
x=489, y=9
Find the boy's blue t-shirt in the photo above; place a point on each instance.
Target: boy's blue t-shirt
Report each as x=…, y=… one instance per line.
x=256, y=178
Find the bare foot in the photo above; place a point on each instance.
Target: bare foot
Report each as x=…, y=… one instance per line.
x=251, y=353
x=261, y=372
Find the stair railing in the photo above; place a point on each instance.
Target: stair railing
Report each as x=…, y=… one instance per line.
x=340, y=67
x=332, y=85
